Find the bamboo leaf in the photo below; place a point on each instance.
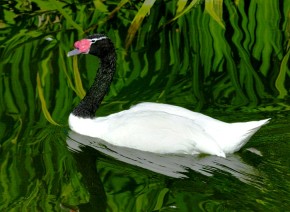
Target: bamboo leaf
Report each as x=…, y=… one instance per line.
x=8, y=98
x=67, y=16
x=43, y=102
x=280, y=81
x=180, y=6
x=137, y=21
x=99, y=5
x=215, y=9
x=181, y=10
x=78, y=81
x=17, y=131
x=119, y=6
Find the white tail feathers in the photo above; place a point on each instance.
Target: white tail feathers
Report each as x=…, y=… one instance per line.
x=239, y=134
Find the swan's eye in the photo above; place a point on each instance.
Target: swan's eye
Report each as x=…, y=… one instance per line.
x=94, y=40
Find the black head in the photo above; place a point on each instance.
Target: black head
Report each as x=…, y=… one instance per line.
x=98, y=45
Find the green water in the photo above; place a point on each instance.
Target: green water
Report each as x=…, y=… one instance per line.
x=231, y=62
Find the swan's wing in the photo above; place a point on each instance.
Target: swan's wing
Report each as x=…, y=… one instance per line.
x=155, y=131
x=229, y=137
x=217, y=129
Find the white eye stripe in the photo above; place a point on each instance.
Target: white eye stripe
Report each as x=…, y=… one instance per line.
x=93, y=40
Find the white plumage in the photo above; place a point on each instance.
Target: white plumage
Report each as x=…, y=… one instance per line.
x=163, y=128
x=153, y=127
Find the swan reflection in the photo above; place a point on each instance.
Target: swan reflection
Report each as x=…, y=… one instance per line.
x=172, y=165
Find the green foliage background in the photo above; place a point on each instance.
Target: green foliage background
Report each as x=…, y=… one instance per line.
x=203, y=55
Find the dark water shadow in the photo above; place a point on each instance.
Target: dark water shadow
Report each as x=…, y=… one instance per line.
x=171, y=165
x=86, y=163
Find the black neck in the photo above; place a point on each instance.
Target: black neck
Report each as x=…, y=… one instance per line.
x=90, y=103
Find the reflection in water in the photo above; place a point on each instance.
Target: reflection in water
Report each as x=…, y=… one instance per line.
x=170, y=164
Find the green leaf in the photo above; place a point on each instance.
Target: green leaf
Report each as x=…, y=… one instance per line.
x=215, y=9
x=281, y=78
x=43, y=102
x=137, y=21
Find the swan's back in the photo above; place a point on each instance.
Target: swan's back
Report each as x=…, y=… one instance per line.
x=230, y=137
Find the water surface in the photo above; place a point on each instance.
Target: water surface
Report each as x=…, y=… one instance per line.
x=236, y=69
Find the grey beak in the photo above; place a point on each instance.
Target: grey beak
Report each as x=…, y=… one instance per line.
x=73, y=52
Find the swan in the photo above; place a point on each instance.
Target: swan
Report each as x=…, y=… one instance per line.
x=154, y=127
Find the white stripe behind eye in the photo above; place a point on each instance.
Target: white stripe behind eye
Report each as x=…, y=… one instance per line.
x=98, y=39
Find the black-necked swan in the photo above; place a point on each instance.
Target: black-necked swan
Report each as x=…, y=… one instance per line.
x=153, y=127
